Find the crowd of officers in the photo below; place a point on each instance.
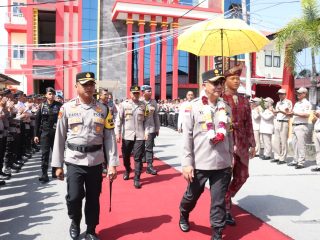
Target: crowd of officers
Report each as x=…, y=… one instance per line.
x=18, y=128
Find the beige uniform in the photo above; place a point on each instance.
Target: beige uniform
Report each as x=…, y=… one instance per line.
x=152, y=121
x=83, y=126
x=266, y=131
x=198, y=151
x=130, y=122
x=255, y=114
x=281, y=128
x=300, y=131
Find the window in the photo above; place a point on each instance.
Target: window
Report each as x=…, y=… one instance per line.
x=16, y=9
x=276, y=61
x=18, y=52
x=268, y=59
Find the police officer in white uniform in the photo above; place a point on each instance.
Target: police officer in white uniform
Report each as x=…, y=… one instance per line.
x=131, y=125
x=266, y=128
x=81, y=127
x=301, y=112
x=281, y=128
x=183, y=106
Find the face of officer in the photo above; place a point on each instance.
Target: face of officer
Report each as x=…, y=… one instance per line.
x=103, y=96
x=213, y=89
x=282, y=96
x=190, y=96
x=135, y=96
x=50, y=96
x=233, y=82
x=86, y=90
x=147, y=94
x=301, y=96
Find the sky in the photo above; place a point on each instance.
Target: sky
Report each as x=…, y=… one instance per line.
x=268, y=16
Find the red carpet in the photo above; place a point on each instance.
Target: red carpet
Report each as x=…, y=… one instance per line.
x=152, y=212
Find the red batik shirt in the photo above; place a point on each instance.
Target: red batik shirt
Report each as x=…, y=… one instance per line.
x=242, y=126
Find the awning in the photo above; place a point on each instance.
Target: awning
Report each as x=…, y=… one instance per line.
x=4, y=79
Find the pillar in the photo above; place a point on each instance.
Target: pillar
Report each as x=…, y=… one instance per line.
x=163, y=84
x=141, y=24
x=175, y=60
x=129, y=53
x=153, y=25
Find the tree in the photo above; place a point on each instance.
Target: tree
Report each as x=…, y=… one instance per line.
x=302, y=33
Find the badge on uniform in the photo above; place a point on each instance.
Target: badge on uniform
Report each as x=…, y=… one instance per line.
x=99, y=110
x=60, y=113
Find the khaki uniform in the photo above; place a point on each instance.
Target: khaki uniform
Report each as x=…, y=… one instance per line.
x=255, y=114
x=281, y=129
x=82, y=125
x=266, y=131
x=300, y=131
x=210, y=162
x=317, y=141
x=131, y=125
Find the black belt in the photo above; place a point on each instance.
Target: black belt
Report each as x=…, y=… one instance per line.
x=298, y=124
x=84, y=149
x=1, y=131
x=283, y=120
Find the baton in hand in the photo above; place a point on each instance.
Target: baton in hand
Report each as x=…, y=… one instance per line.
x=110, y=196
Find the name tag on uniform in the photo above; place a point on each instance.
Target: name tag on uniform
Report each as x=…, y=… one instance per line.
x=98, y=120
x=74, y=120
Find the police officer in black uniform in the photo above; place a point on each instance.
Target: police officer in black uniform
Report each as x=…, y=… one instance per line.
x=46, y=121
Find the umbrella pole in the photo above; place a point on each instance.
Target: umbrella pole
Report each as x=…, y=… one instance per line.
x=221, y=32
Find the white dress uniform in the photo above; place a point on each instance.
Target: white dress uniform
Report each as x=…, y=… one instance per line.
x=281, y=129
x=256, y=118
x=300, y=131
x=317, y=141
x=266, y=130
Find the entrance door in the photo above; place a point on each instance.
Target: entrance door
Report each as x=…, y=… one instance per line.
x=41, y=85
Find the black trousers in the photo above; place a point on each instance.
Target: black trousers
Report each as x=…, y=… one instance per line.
x=137, y=147
x=11, y=146
x=2, y=149
x=83, y=181
x=219, y=181
x=46, y=140
x=149, y=143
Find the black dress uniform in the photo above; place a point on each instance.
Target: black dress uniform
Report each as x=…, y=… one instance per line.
x=46, y=122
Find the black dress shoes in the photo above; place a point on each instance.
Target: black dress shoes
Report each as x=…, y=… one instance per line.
x=44, y=178
x=299, y=166
x=290, y=164
x=230, y=220
x=74, y=230
x=2, y=182
x=137, y=184
x=151, y=170
x=184, y=222
x=217, y=234
x=126, y=175
x=90, y=236
x=281, y=162
x=317, y=169
x=275, y=160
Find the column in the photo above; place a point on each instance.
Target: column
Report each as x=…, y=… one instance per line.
x=175, y=60
x=71, y=80
x=141, y=24
x=163, y=84
x=153, y=25
x=129, y=53
x=29, y=53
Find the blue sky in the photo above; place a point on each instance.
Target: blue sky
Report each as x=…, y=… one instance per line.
x=268, y=17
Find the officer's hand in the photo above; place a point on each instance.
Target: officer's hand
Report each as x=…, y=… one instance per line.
x=36, y=140
x=252, y=152
x=188, y=173
x=180, y=130
x=118, y=138
x=157, y=133
x=146, y=136
x=112, y=173
x=60, y=173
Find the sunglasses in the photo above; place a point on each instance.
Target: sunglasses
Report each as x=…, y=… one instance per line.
x=218, y=82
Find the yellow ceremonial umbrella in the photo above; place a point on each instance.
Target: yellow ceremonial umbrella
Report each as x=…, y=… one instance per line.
x=221, y=37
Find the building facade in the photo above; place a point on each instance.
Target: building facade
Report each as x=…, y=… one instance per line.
x=38, y=56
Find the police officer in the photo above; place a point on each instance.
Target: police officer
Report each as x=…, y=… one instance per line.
x=45, y=127
x=153, y=123
x=131, y=123
x=207, y=153
x=82, y=129
x=301, y=112
x=255, y=114
x=281, y=128
x=183, y=107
